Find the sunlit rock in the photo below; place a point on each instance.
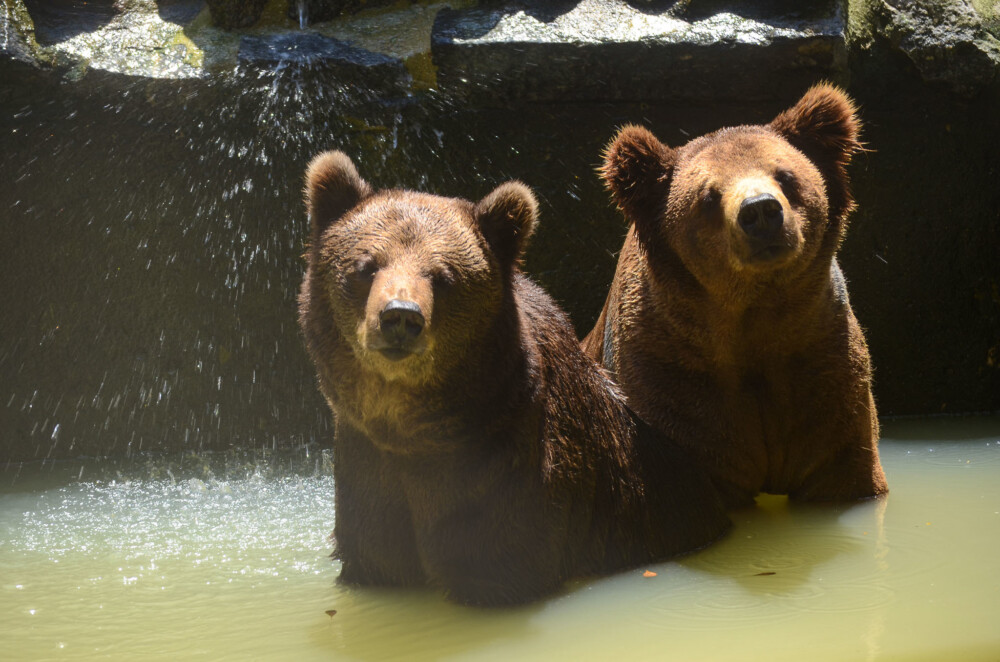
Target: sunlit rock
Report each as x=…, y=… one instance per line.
x=17, y=33
x=946, y=41
x=613, y=50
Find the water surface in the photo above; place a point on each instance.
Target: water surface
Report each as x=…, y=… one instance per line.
x=182, y=559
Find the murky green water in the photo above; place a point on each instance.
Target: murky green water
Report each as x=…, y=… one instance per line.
x=162, y=565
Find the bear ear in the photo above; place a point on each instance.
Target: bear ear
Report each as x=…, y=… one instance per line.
x=824, y=126
x=636, y=170
x=333, y=186
x=507, y=219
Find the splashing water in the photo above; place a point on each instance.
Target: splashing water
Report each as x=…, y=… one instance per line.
x=303, y=14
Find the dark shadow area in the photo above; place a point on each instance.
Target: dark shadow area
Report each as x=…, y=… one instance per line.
x=179, y=11
x=59, y=20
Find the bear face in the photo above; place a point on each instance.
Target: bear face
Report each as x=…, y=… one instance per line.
x=405, y=272
x=745, y=201
x=728, y=324
x=745, y=205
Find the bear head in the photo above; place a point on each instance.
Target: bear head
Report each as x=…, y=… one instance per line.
x=743, y=204
x=411, y=280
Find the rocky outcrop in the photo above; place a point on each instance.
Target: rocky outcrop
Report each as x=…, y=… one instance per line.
x=949, y=42
x=17, y=33
x=612, y=50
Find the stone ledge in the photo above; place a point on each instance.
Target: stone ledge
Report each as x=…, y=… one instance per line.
x=610, y=50
x=501, y=51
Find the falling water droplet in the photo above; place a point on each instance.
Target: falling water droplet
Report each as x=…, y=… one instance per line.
x=303, y=15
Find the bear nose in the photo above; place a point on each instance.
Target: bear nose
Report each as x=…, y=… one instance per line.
x=761, y=216
x=401, y=321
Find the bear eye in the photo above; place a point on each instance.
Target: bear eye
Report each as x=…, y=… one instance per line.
x=787, y=179
x=710, y=197
x=362, y=272
x=365, y=267
x=443, y=278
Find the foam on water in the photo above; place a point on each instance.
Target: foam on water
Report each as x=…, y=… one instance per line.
x=237, y=568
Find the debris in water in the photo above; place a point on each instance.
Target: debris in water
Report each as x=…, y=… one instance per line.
x=649, y=573
x=765, y=574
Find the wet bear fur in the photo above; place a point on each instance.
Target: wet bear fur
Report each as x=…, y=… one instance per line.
x=477, y=449
x=728, y=324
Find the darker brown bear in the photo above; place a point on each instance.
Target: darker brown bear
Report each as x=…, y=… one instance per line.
x=476, y=449
x=728, y=324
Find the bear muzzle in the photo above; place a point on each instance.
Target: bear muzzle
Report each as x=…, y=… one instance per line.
x=762, y=219
x=401, y=323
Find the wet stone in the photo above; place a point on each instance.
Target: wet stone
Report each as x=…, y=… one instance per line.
x=17, y=34
x=346, y=63
x=615, y=50
x=132, y=38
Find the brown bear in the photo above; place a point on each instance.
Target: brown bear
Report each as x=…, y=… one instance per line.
x=476, y=449
x=727, y=324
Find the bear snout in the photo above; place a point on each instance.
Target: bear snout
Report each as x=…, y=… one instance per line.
x=761, y=217
x=400, y=324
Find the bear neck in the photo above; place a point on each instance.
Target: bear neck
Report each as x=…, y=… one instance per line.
x=778, y=314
